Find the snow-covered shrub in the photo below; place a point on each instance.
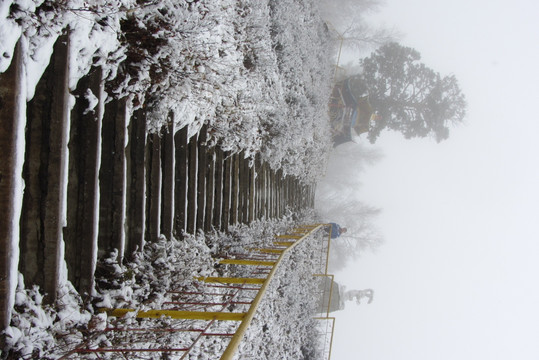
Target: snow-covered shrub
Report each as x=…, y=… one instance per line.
x=162, y=266
x=41, y=331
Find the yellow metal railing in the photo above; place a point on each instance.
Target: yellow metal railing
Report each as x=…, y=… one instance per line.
x=266, y=262
x=331, y=331
x=328, y=344
x=234, y=343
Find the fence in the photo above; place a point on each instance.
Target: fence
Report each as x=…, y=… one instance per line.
x=327, y=297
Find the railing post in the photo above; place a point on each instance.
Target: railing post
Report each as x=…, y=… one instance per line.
x=240, y=332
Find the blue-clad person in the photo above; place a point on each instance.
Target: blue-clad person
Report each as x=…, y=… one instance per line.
x=336, y=230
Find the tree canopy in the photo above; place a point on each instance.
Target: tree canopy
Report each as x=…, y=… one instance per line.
x=409, y=96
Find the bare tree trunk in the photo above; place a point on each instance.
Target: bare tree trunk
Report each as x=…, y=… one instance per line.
x=136, y=183
x=201, y=178
x=80, y=234
x=12, y=98
x=112, y=179
x=180, y=188
x=191, y=187
x=227, y=163
x=153, y=190
x=217, y=207
x=210, y=188
x=57, y=169
x=167, y=198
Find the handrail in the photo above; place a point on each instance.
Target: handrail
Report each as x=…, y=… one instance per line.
x=325, y=274
x=242, y=329
x=332, y=319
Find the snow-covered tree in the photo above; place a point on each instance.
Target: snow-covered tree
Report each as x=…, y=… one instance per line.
x=409, y=96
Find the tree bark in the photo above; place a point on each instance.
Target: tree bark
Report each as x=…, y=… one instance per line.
x=167, y=198
x=112, y=179
x=57, y=169
x=191, y=188
x=153, y=190
x=136, y=183
x=180, y=192
x=201, y=178
x=83, y=200
x=12, y=102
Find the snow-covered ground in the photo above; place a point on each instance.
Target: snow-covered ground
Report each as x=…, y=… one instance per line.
x=257, y=72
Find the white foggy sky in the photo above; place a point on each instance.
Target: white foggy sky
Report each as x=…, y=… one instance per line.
x=457, y=275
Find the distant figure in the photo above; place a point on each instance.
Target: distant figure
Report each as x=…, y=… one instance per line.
x=336, y=230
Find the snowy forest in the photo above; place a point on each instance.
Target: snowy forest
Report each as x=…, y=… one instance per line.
x=258, y=75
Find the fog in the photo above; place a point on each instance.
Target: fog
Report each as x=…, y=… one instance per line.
x=456, y=274
x=338, y=200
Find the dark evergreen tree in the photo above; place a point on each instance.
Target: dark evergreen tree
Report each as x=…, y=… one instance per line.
x=409, y=96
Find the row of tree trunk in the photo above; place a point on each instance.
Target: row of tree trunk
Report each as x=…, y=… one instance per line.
x=96, y=181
